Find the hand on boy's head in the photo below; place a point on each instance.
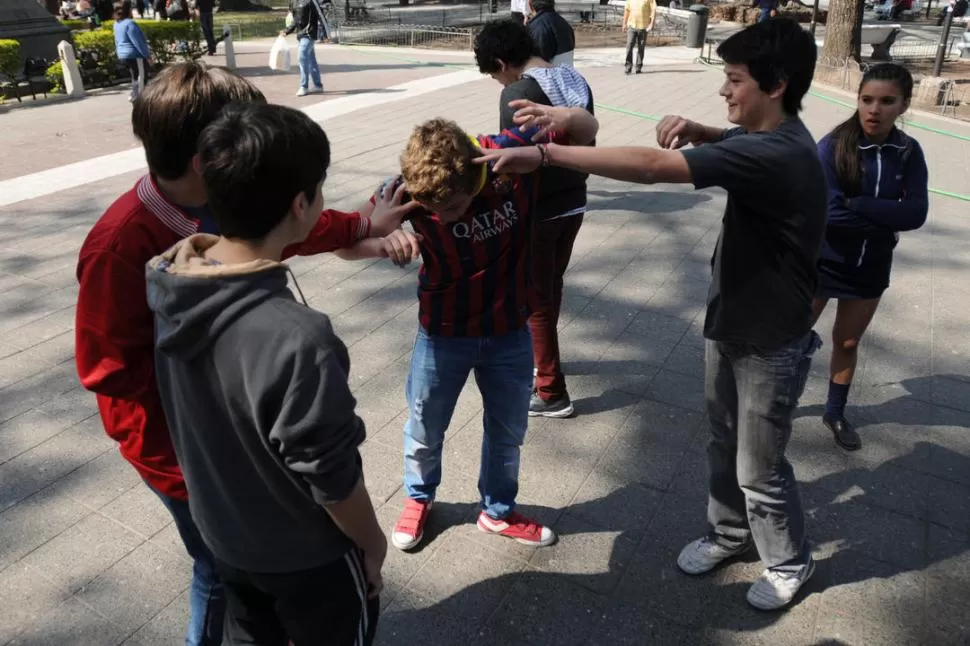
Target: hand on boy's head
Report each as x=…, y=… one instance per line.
x=401, y=247
x=512, y=160
x=390, y=208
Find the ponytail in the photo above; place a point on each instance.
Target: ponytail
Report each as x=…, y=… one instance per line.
x=848, y=167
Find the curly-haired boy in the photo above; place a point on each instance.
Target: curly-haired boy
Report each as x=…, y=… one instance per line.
x=474, y=291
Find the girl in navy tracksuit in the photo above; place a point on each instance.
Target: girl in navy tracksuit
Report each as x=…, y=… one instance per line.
x=877, y=188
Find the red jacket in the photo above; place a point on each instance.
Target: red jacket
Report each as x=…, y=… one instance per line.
x=114, y=343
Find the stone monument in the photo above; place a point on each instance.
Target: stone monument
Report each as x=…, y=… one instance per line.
x=30, y=23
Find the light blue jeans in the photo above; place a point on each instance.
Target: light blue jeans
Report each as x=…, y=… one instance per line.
x=308, y=64
x=439, y=369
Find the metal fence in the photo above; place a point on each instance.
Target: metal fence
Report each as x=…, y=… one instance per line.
x=454, y=27
x=953, y=99
x=392, y=35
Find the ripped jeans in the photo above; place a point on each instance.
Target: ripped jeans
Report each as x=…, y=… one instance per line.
x=751, y=395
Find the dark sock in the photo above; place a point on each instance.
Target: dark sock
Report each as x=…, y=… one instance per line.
x=838, y=395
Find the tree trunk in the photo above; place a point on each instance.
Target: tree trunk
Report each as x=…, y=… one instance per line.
x=842, y=30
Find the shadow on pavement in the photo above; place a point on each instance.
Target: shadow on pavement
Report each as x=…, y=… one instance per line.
x=867, y=554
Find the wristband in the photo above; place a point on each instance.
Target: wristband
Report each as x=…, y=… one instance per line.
x=543, y=155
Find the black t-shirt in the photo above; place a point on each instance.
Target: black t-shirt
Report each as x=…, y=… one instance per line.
x=561, y=191
x=764, y=265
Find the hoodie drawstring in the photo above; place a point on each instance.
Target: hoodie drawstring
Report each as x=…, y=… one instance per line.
x=297, y=285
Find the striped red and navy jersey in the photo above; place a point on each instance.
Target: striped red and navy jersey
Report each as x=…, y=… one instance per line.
x=476, y=275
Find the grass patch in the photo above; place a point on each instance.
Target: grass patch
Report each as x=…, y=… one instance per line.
x=251, y=24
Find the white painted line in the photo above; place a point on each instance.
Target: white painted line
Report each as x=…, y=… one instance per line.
x=62, y=178
x=330, y=109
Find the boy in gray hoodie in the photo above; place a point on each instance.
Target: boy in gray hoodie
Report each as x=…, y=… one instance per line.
x=254, y=386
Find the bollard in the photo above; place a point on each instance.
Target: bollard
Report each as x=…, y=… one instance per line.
x=72, y=74
x=230, y=50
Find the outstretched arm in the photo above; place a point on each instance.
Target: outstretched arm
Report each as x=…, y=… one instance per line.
x=400, y=246
x=629, y=164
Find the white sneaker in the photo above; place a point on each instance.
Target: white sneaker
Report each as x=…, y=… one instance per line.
x=704, y=554
x=774, y=589
x=302, y=91
x=317, y=89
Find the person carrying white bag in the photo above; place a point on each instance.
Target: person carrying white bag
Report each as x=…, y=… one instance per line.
x=279, y=55
x=306, y=22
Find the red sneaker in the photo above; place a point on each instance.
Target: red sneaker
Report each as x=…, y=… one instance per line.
x=518, y=527
x=409, y=529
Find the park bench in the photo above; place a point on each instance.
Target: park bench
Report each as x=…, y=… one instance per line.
x=669, y=19
x=357, y=9
x=963, y=44
x=883, y=11
x=587, y=10
x=881, y=38
x=30, y=77
x=94, y=75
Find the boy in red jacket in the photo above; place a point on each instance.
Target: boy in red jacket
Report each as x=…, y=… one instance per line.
x=114, y=327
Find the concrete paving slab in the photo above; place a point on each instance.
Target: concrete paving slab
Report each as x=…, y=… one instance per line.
x=624, y=482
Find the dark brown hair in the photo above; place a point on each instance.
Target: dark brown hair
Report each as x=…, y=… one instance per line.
x=775, y=51
x=177, y=105
x=255, y=159
x=122, y=9
x=846, y=135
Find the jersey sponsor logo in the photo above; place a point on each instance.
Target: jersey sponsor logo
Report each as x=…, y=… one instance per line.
x=488, y=224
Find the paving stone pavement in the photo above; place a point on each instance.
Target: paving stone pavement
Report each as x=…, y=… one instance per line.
x=89, y=556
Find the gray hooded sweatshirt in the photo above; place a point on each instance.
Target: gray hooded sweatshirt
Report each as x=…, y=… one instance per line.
x=254, y=387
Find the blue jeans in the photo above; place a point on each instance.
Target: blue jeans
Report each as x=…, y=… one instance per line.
x=751, y=395
x=439, y=369
x=207, y=599
x=308, y=64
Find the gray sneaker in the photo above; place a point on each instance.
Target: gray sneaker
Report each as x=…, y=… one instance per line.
x=774, y=590
x=704, y=554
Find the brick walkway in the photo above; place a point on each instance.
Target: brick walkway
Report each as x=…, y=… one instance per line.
x=89, y=556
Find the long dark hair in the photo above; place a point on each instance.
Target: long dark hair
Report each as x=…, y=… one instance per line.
x=847, y=134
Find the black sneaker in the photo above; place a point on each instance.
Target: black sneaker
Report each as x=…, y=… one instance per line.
x=627, y=70
x=559, y=407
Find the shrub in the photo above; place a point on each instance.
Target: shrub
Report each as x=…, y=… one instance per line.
x=75, y=25
x=9, y=57
x=169, y=42
x=100, y=46
x=55, y=76
x=174, y=40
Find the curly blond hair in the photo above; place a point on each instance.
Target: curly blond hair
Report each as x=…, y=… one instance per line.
x=437, y=162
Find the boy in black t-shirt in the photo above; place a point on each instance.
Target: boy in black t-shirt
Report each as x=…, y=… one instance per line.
x=758, y=324
x=503, y=49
